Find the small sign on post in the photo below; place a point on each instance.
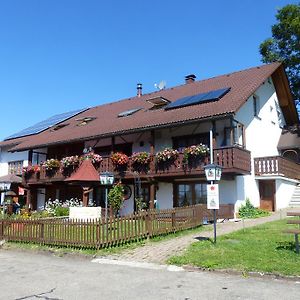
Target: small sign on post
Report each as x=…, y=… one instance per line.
x=213, y=196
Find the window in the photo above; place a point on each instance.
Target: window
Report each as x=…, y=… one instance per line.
x=144, y=193
x=189, y=194
x=255, y=106
x=182, y=142
x=15, y=167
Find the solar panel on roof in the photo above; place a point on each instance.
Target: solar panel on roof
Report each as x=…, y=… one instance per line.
x=129, y=112
x=43, y=125
x=199, y=98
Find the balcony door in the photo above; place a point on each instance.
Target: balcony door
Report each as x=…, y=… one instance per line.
x=267, y=194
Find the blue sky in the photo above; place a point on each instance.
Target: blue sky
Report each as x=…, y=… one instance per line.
x=60, y=55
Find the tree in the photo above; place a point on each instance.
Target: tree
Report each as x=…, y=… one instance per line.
x=284, y=45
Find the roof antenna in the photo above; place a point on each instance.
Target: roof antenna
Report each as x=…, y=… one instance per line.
x=161, y=85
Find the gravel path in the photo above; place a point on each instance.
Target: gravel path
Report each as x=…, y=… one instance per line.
x=159, y=252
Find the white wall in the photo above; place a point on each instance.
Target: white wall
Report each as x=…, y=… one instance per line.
x=227, y=191
x=284, y=192
x=164, y=195
x=262, y=136
x=6, y=157
x=128, y=206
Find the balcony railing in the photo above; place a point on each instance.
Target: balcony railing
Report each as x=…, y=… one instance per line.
x=234, y=160
x=277, y=166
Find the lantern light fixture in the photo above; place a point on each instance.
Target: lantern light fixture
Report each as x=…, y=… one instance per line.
x=213, y=172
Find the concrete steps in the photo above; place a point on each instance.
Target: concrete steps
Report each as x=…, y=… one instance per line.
x=295, y=200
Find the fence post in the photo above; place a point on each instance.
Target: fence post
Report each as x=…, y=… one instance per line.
x=98, y=234
x=173, y=221
x=2, y=229
x=41, y=232
x=148, y=224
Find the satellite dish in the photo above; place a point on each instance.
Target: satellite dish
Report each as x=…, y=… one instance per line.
x=161, y=85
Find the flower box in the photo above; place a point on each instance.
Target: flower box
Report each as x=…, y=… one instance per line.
x=119, y=160
x=193, y=155
x=140, y=161
x=166, y=158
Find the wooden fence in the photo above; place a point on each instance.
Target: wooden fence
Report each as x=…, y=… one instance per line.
x=103, y=233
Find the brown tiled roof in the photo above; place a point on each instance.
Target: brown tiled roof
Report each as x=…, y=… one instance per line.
x=11, y=143
x=243, y=84
x=85, y=172
x=11, y=178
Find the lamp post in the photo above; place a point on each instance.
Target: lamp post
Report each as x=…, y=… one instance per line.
x=106, y=179
x=4, y=187
x=213, y=173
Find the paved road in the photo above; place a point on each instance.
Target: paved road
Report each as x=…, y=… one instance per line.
x=44, y=276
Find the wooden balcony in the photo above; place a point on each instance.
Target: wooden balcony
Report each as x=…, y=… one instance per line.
x=276, y=166
x=234, y=160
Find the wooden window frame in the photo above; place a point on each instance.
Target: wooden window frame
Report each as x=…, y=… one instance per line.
x=193, y=190
x=15, y=167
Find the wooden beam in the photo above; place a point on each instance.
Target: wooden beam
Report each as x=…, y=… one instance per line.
x=231, y=132
x=152, y=142
x=152, y=195
x=28, y=198
x=244, y=136
x=285, y=97
x=214, y=134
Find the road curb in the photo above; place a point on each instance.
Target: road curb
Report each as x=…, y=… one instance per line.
x=245, y=274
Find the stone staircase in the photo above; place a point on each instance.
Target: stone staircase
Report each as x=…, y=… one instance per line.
x=295, y=200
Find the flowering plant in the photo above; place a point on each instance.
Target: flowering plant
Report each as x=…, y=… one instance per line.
x=119, y=159
x=70, y=161
x=31, y=169
x=195, y=151
x=51, y=164
x=167, y=155
x=142, y=158
x=95, y=158
x=61, y=208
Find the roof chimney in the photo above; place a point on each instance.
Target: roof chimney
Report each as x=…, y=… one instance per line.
x=190, y=78
x=139, y=88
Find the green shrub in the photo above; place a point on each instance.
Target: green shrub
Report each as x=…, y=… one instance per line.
x=116, y=197
x=62, y=211
x=248, y=211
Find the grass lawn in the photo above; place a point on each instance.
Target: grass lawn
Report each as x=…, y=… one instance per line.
x=263, y=248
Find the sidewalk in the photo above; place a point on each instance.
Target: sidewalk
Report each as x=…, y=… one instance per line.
x=159, y=252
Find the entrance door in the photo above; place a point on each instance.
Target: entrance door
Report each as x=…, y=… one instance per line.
x=267, y=194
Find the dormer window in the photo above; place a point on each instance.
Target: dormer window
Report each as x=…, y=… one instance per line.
x=158, y=102
x=85, y=120
x=59, y=126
